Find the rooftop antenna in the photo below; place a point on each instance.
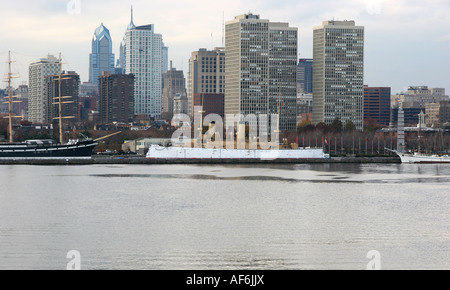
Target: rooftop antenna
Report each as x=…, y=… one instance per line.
x=223, y=28
x=132, y=16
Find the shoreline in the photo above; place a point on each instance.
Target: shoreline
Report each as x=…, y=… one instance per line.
x=140, y=160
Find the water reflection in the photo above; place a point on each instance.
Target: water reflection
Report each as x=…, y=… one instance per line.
x=225, y=217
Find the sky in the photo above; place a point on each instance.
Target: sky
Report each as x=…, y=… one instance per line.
x=407, y=42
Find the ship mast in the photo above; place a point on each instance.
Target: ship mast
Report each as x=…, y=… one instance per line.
x=61, y=139
x=60, y=101
x=10, y=97
x=10, y=101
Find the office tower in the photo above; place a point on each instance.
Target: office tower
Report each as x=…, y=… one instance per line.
x=101, y=59
x=70, y=87
x=261, y=69
x=444, y=113
x=420, y=95
x=410, y=111
x=174, y=83
x=21, y=108
x=437, y=114
x=206, y=74
x=88, y=89
x=164, y=63
x=305, y=76
x=143, y=59
x=180, y=104
x=338, y=80
x=116, y=100
x=164, y=58
x=377, y=104
x=304, y=107
x=4, y=107
x=211, y=103
x=37, y=99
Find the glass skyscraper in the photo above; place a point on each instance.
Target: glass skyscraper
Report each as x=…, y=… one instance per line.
x=141, y=54
x=101, y=59
x=305, y=75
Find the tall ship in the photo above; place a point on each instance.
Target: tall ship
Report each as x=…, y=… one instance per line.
x=416, y=157
x=44, y=149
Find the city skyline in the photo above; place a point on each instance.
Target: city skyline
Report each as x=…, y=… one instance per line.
x=406, y=41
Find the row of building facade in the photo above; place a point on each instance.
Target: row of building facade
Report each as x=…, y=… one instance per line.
x=257, y=72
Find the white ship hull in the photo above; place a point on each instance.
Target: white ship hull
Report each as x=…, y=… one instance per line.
x=159, y=152
x=421, y=158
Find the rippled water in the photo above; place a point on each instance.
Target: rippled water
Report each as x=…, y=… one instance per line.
x=322, y=216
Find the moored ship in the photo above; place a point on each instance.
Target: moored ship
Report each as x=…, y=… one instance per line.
x=48, y=149
x=44, y=149
x=184, y=153
x=416, y=157
x=423, y=158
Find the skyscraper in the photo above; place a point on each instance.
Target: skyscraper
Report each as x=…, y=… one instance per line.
x=174, y=83
x=142, y=57
x=377, y=104
x=261, y=69
x=206, y=74
x=116, y=100
x=101, y=59
x=70, y=87
x=305, y=76
x=338, y=83
x=165, y=58
x=37, y=98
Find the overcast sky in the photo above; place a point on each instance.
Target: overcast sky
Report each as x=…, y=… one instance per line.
x=407, y=42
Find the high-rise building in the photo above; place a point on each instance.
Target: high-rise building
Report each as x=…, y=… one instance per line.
x=143, y=59
x=437, y=114
x=338, y=77
x=304, y=107
x=21, y=108
x=165, y=58
x=101, y=59
x=116, y=100
x=377, y=104
x=420, y=95
x=37, y=98
x=261, y=69
x=180, y=104
x=444, y=113
x=206, y=74
x=174, y=83
x=305, y=76
x=70, y=87
x=211, y=103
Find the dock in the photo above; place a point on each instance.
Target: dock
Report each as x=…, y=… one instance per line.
x=140, y=160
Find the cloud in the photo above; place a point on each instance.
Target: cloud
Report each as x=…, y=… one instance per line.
x=395, y=30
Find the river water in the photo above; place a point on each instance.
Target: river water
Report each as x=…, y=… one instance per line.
x=259, y=217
